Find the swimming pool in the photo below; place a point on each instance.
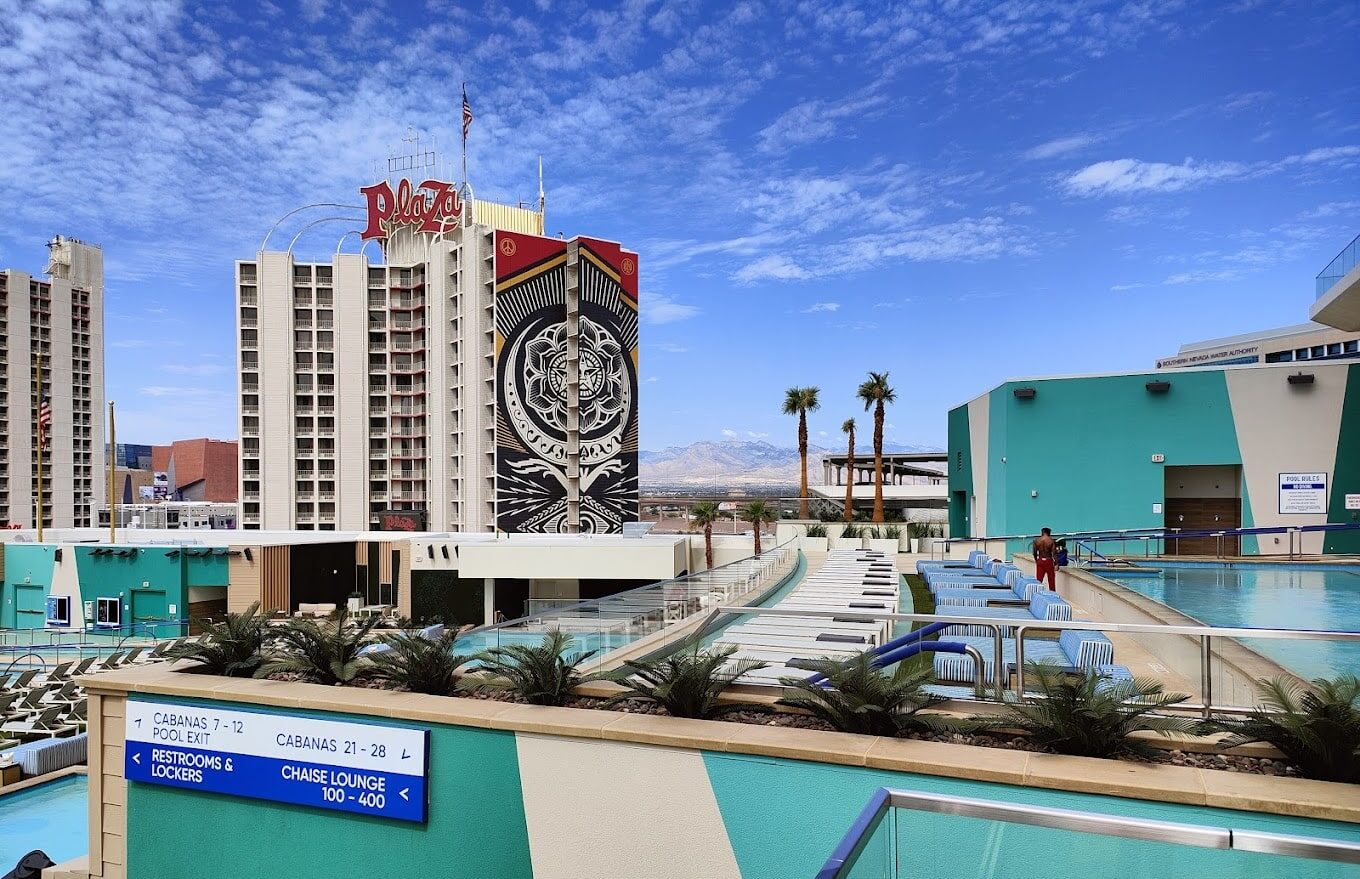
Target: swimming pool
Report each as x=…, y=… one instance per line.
x=1323, y=597
x=52, y=817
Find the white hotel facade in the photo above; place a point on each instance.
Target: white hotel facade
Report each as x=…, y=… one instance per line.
x=368, y=387
x=59, y=320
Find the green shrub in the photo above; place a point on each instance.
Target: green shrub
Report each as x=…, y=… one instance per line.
x=417, y=664
x=862, y=699
x=542, y=674
x=816, y=529
x=233, y=647
x=325, y=652
x=892, y=532
x=687, y=683
x=850, y=531
x=1318, y=729
x=1089, y=715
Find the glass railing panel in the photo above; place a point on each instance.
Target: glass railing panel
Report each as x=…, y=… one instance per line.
x=940, y=837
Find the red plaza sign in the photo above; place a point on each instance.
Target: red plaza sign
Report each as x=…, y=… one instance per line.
x=429, y=207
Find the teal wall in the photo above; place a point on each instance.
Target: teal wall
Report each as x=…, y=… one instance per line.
x=1346, y=476
x=1086, y=446
x=33, y=563
x=108, y=576
x=784, y=817
x=960, y=471
x=476, y=829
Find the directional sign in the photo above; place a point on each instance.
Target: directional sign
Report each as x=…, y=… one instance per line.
x=348, y=767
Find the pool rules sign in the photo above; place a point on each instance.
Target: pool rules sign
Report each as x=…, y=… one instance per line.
x=1303, y=493
x=347, y=767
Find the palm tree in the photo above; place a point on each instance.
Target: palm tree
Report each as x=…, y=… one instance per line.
x=848, y=427
x=324, y=653
x=801, y=401
x=233, y=647
x=758, y=512
x=703, y=515
x=875, y=391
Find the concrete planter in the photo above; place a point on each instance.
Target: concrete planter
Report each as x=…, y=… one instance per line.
x=926, y=545
x=887, y=545
x=813, y=544
x=847, y=543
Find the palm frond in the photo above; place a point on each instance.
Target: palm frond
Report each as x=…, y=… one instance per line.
x=687, y=683
x=541, y=674
x=325, y=653
x=233, y=647
x=857, y=697
x=1317, y=728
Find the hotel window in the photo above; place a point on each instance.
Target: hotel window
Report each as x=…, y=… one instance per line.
x=1353, y=346
x=1334, y=349
x=1280, y=357
x=1319, y=350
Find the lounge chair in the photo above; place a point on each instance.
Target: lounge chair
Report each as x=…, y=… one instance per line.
x=1023, y=589
x=113, y=660
x=132, y=655
x=1042, y=606
x=1073, y=649
x=60, y=673
x=67, y=694
x=46, y=724
x=23, y=681
x=83, y=666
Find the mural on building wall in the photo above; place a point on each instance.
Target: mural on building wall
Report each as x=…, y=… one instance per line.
x=531, y=418
x=534, y=400
x=609, y=386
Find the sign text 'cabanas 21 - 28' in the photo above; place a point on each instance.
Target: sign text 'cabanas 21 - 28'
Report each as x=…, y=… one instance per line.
x=430, y=207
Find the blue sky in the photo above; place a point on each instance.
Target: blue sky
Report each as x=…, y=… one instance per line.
x=954, y=192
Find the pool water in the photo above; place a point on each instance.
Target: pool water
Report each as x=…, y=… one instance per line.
x=52, y=817
x=1267, y=596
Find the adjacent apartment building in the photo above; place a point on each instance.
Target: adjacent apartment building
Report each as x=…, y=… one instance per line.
x=469, y=375
x=60, y=322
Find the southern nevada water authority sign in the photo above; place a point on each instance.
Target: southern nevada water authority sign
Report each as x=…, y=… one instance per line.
x=348, y=767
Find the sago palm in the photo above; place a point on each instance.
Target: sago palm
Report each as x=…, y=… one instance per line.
x=1318, y=729
x=801, y=401
x=758, y=513
x=234, y=647
x=325, y=652
x=703, y=515
x=876, y=393
x=541, y=674
x=859, y=698
x=1089, y=715
x=687, y=683
x=419, y=664
x=848, y=428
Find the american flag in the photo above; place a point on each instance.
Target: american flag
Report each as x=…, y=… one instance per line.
x=467, y=115
x=44, y=423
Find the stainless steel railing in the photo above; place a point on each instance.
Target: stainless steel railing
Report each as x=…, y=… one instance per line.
x=843, y=860
x=1205, y=634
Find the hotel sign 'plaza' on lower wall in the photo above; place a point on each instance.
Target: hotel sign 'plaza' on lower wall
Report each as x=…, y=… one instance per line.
x=482, y=376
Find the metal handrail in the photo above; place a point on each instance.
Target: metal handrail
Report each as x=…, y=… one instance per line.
x=1127, y=827
x=1022, y=627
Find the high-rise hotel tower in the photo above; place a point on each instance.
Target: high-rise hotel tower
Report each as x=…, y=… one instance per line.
x=58, y=324
x=467, y=374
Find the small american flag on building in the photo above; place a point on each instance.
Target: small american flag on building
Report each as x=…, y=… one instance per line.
x=467, y=115
x=44, y=423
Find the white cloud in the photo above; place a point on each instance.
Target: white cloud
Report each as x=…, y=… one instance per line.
x=729, y=433
x=1059, y=147
x=194, y=368
x=821, y=433
x=816, y=307
x=650, y=379
x=756, y=435
x=669, y=348
x=1116, y=288
x=169, y=391
x=1131, y=175
x=659, y=308
x=1203, y=276
x=770, y=268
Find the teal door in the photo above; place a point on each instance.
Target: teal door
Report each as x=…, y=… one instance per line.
x=30, y=606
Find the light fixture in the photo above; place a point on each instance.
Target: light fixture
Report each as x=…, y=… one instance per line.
x=249, y=557
x=1158, y=387
x=1025, y=393
x=1301, y=378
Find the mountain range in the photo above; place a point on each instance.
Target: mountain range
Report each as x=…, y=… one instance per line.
x=731, y=463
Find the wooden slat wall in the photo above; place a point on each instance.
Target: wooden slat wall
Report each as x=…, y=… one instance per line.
x=108, y=788
x=385, y=561
x=243, y=580
x=275, y=591
x=404, y=578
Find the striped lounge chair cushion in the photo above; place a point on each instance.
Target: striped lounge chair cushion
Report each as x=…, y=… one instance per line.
x=1086, y=649
x=1049, y=606
x=49, y=755
x=1026, y=587
x=959, y=666
x=959, y=598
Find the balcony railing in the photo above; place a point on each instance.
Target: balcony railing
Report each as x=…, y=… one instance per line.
x=1345, y=261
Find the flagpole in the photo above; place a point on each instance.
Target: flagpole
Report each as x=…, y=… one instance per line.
x=465, y=131
x=42, y=438
x=113, y=460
